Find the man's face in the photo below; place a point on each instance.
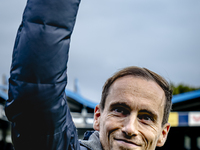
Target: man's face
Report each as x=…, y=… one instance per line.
x=132, y=116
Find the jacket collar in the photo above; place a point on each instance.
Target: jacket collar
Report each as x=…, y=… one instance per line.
x=92, y=141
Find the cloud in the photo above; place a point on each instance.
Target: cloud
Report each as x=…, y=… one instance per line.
x=160, y=35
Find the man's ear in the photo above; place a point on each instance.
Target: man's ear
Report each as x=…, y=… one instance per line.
x=97, y=114
x=163, y=136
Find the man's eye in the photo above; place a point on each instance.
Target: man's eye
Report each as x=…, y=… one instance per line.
x=121, y=110
x=145, y=117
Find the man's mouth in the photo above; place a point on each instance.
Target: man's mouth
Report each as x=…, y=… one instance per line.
x=128, y=143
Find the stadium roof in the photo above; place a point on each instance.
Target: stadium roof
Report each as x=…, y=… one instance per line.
x=186, y=96
x=88, y=103
x=80, y=99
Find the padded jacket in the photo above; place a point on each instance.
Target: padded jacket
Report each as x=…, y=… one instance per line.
x=37, y=105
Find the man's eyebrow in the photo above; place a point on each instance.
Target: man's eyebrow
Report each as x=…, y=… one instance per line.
x=123, y=104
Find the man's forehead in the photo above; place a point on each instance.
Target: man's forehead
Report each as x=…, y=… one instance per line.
x=137, y=85
x=135, y=89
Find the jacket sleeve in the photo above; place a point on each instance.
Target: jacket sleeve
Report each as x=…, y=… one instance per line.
x=37, y=105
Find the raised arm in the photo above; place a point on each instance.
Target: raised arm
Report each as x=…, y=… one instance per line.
x=37, y=104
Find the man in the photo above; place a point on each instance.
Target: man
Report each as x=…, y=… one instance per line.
x=132, y=113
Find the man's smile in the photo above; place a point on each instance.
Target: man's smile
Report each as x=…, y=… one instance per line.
x=127, y=143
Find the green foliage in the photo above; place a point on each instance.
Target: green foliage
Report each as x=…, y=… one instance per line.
x=182, y=88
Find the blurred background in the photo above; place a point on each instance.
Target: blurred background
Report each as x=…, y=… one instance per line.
x=109, y=35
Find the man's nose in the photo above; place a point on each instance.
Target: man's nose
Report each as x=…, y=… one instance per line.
x=130, y=127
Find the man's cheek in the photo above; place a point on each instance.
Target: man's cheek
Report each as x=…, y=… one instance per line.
x=110, y=125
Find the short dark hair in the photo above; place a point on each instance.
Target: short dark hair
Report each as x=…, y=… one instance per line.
x=142, y=73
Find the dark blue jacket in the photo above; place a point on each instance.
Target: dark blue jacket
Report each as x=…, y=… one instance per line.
x=37, y=105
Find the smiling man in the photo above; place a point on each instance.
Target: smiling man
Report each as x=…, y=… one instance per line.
x=133, y=111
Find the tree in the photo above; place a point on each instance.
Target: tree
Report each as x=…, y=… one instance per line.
x=182, y=88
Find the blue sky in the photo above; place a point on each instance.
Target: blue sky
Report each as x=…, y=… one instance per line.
x=163, y=36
